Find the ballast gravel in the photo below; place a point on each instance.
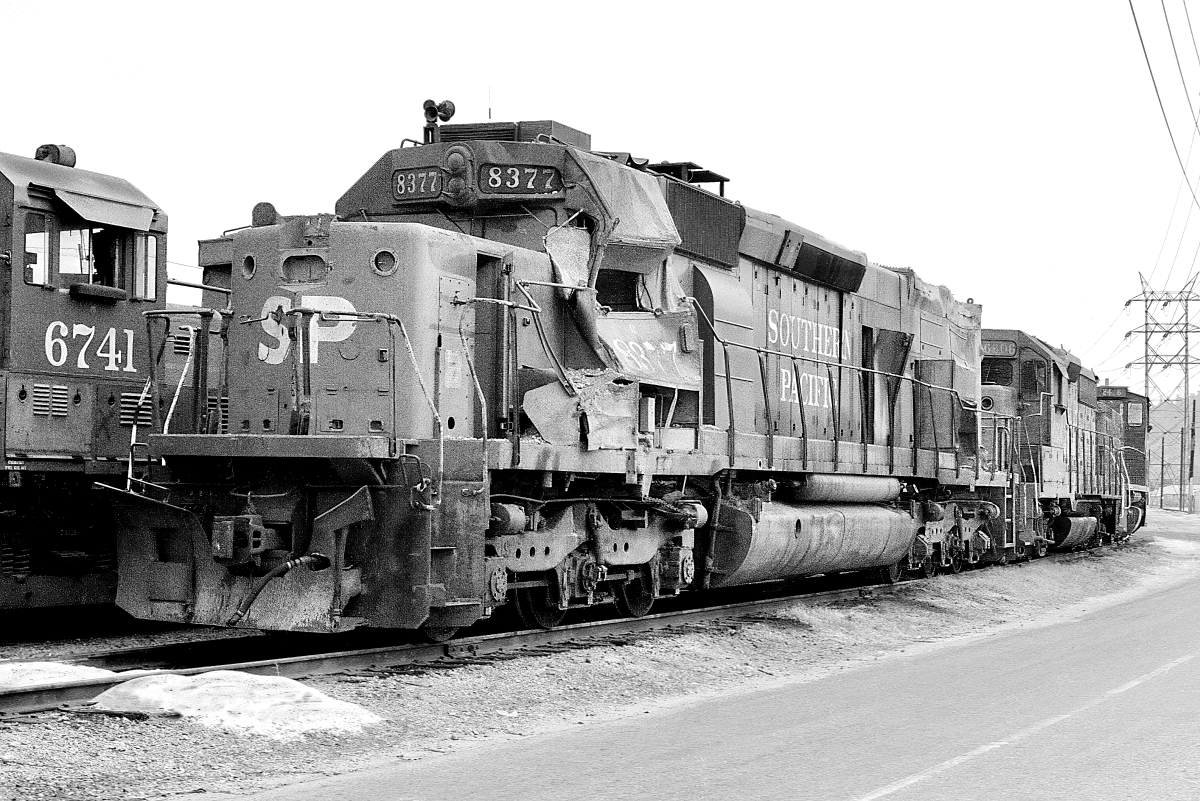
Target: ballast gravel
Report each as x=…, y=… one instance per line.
x=93, y=756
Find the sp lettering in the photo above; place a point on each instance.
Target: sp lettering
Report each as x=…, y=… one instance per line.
x=275, y=325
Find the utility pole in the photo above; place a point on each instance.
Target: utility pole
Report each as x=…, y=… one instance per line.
x=1159, y=357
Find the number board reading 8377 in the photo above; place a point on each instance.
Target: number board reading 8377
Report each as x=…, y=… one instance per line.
x=417, y=184
x=519, y=179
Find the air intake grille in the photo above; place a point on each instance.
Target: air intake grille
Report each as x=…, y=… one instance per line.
x=50, y=400
x=129, y=408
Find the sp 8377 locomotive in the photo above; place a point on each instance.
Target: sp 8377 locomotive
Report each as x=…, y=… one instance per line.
x=511, y=371
x=84, y=255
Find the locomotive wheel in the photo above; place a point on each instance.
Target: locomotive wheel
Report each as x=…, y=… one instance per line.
x=1040, y=549
x=537, y=608
x=634, y=598
x=1019, y=551
x=891, y=574
x=956, y=562
x=928, y=568
x=438, y=633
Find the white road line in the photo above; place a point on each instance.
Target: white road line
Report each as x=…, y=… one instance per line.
x=928, y=773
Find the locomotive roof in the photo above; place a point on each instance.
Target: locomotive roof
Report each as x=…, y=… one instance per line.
x=92, y=195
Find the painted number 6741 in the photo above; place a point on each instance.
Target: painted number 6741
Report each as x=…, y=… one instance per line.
x=62, y=340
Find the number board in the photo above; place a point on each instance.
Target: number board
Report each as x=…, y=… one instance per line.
x=999, y=347
x=519, y=179
x=419, y=183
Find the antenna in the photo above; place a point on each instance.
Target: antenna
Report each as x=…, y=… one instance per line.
x=489, y=102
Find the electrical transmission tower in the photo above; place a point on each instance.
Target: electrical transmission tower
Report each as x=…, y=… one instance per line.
x=1171, y=329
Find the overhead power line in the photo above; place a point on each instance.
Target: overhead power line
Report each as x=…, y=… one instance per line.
x=1161, y=107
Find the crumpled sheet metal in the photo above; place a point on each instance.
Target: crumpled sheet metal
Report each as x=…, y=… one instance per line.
x=609, y=403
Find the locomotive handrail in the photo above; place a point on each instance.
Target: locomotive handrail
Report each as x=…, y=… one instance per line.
x=915, y=382
x=207, y=287
x=559, y=370
x=200, y=388
x=392, y=320
x=483, y=415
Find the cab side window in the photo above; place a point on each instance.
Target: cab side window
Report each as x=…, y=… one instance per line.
x=145, y=266
x=88, y=255
x=37, y=249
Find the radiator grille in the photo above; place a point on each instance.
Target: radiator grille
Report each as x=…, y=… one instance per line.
x=50, y=400
x=129, y=408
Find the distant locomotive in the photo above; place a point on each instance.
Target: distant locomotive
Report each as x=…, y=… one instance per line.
x=513, y=371
x=1130, y=414
x=1074, y=484
x=85, y=255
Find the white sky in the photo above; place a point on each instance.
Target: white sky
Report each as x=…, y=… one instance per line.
x=1013, y=151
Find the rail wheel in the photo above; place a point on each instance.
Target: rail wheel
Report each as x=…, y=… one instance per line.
x=891, y=574
x=438, y=633
x=1019, y=551
x=537, y=608
x=928, y=568
x=1039, y=550
x=634, y=598
x=956, y=561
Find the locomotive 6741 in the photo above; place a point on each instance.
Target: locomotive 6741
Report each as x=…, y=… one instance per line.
x=84, y=255
x=513, y=371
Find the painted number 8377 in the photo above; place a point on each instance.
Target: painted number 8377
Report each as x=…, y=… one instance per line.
x=114, y=351
x=519, y=179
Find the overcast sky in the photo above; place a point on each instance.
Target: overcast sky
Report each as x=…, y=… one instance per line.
x=1012, y=151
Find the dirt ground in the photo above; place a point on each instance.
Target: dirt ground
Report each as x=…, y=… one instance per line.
x=70, y=756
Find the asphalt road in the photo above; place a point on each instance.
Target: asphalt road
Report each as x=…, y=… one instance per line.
x=1106, y=706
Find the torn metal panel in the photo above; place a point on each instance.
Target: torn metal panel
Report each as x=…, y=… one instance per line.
x=554, y=413
x=648, y=348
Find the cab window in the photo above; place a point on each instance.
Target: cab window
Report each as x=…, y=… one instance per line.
x=37, y=249
x=997, y=371
x=145, y=266
x=89, y=255
x=1135, y=413
x=59, y=253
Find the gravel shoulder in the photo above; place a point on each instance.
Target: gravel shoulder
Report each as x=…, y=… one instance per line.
x=69, y=756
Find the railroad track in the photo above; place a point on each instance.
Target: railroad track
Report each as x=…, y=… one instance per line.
x=411, y=657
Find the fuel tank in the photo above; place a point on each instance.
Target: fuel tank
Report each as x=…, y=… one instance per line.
x=1071, y=532
x=791, y=540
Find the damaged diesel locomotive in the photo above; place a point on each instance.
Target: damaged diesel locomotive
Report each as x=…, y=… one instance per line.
x=511, y=370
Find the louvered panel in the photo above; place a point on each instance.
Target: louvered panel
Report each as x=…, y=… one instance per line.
x=220, y=408
x=129, y=407
x=181, y=344
x=50, y=400
x=41, y=400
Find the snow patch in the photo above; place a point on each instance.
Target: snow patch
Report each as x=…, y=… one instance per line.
x=32, y=674
x=270, y=706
